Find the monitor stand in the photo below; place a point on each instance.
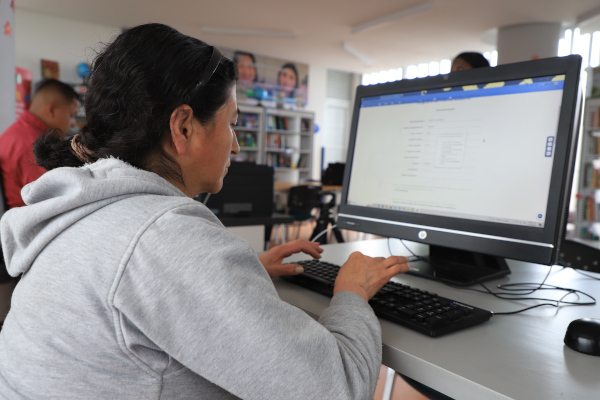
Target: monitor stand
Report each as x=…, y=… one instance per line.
x=459, y=267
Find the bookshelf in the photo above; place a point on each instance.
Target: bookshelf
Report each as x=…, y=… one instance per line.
x=588, y=195
x=281, y=139
x=289, y=144
x=249, y=132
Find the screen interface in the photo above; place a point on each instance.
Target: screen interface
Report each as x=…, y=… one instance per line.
x=481, y=152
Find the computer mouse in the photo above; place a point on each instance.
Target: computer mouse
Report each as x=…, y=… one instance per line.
x=583, y=335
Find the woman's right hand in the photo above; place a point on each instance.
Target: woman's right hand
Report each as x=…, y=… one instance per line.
x=365, y=275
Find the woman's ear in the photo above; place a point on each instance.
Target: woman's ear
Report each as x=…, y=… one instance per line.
x=181, y=127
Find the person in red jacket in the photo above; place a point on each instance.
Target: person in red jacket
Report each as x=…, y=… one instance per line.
x=54, y=106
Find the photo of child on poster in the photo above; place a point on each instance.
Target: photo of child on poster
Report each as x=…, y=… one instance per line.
x=269, y=81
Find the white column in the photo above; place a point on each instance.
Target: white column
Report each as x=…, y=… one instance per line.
x=7, y=64
x=529, y=41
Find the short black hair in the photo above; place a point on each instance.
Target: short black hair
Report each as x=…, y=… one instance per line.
x=54, y=85
x=474, y=59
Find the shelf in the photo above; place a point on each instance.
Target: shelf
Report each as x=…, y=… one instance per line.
x=281, y=132
x=280, y=137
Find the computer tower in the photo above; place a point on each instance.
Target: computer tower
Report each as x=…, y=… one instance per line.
x=247, y=192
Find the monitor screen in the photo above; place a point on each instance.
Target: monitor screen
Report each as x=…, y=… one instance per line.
x=477, y=164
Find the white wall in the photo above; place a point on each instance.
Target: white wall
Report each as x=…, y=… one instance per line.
x=317, y=96
x=7, y=68
x=70, y=42
x=67, y=41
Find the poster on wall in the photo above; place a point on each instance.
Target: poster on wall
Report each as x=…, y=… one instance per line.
x=23, y=78
x=50, y=69
x=268, y=81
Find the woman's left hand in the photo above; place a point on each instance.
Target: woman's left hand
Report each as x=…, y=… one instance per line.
x=272, y=259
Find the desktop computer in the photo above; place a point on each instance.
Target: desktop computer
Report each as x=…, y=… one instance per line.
x=476, y=164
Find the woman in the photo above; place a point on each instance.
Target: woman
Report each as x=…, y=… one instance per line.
x=287, y=79
x=246, y=65
x=130, y=289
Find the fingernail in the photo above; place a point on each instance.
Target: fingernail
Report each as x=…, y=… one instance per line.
x=299, y=270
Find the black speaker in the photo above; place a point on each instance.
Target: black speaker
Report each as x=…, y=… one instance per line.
x=577, y=254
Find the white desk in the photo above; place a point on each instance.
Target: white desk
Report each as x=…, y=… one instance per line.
x=518, y=356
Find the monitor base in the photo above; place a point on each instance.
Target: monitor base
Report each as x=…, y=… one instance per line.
x=459, y=267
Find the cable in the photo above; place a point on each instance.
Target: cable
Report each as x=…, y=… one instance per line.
x=324, y=231
x=206, y=199
x=511, y=293
x=584, y=274
x=414, y=256
x=563, y=263
x=518, y=291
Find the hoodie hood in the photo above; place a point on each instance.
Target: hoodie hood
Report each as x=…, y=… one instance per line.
x=62, y=197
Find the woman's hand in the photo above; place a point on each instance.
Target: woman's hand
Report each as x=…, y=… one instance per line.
x=365, y=275
x=272, y=259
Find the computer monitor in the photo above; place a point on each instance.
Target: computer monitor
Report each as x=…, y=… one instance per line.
x=477, y=164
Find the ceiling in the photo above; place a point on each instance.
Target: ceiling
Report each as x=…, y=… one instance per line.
x=319, y=28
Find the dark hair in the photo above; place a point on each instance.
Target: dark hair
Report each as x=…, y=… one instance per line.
x=239, y=54
x=136, y=83
x=288, y=66
x=54, y=85
x=474, y=59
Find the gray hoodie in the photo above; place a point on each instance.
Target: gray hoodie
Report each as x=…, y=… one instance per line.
x=131, y=290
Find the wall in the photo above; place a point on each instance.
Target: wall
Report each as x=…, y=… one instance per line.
x=67, y=41
x=7, y=65
x=70, y=42
x=317, y=93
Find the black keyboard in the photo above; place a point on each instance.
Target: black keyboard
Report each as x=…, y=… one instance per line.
x=413, y=308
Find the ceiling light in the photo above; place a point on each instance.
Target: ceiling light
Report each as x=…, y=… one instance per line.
x=391, y=17
x=249, y=32
x=358, y=54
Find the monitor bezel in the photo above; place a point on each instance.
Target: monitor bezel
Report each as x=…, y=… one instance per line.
x=525, y=243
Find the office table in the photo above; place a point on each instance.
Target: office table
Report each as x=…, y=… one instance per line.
x=241, y=225
x=518, y=356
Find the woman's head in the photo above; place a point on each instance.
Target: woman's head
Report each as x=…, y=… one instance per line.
x=136, y=84
x=246, y=64
x=469, y=60
x=288, y=76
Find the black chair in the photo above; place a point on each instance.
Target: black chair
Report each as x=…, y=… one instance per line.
x=302, y=204
x=4, y=276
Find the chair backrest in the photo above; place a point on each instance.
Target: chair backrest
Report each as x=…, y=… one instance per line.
x=303, y=199
x=4, y=276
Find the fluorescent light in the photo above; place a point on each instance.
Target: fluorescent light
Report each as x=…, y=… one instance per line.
x=249, y=32
x=358, y=54
x=422, y=70
x=445, y=66
x=391, y=17
x=434, y=68
x=383, y=77
x=392, y=75
x=374, y=78
x=411, y=72
x=494, y=59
